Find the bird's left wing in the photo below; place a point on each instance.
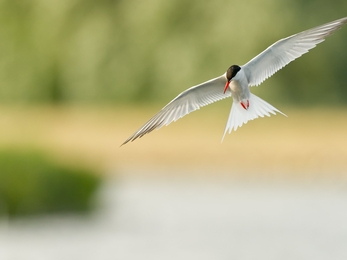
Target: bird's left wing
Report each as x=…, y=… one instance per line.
x=286, y=50
x=186, y=102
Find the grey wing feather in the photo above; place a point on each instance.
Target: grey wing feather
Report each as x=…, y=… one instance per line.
x=286, y=50
x=186, y=102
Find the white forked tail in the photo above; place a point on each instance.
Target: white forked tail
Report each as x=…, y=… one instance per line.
x=239, y=116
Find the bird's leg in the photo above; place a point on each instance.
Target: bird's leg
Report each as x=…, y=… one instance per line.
x=245, y=105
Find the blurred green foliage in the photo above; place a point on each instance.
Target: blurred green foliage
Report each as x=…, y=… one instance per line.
x=30, y=184
x=121, y=51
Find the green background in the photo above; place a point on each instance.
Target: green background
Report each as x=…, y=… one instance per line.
x=117, y=51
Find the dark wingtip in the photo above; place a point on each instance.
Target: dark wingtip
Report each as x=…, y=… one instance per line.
x=143, y=132
x=126, y=141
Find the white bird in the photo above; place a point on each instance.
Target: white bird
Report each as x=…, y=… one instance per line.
x=237, y=80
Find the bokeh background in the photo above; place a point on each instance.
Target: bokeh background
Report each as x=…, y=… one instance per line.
x=78, y=77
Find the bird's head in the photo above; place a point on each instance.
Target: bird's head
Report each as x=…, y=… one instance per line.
x=230, y=74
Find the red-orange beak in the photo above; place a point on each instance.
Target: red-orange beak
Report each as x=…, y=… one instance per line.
x=226, y=86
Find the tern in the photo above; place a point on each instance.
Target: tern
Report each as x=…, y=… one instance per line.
x=236, y=83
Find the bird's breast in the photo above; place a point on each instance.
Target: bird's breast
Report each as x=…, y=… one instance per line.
x=239, y=91
x=239, y=86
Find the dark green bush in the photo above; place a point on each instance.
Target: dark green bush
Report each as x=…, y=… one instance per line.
x=31, y=184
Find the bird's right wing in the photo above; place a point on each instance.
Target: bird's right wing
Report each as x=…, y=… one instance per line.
x=186, y=102
x=286, y=50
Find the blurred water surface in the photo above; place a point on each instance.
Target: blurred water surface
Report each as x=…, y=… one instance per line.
x=193, y=218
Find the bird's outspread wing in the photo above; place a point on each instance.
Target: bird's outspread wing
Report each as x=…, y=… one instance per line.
x=286, y=50
x=186, y=102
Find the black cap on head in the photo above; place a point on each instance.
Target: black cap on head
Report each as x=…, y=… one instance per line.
x=232, y=71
